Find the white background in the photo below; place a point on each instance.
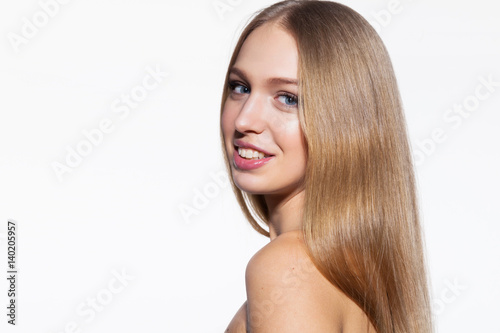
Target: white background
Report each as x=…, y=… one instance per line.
x=119, y=210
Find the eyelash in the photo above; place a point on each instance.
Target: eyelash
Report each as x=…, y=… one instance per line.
x=233, y=84
x=293, y=97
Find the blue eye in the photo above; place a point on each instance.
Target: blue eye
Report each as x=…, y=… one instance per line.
x=288, y=99
x=238, y=88
x=242, y=89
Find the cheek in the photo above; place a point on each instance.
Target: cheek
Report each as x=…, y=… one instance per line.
x=290, y=138
x=227, y=124
x=298, y=148
x=227, y=121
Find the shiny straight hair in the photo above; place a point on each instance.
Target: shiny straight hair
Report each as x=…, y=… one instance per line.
x=361, y=221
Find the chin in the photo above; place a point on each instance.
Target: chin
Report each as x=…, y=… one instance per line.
x=263, y=187
x=250, y=186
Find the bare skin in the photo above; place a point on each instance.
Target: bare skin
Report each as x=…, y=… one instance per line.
x=285, y=291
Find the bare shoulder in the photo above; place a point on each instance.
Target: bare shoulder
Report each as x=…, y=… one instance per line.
x=286, y=292
x=239, y=322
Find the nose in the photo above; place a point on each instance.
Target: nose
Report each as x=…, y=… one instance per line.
x=251, y=117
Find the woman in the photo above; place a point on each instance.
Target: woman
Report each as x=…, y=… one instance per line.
x=315, y=140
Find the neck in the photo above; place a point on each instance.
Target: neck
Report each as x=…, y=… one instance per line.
x=285, y=213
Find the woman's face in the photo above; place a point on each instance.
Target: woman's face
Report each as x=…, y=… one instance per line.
x=261, y=112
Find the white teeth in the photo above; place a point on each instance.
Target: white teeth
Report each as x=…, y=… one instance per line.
x=250, y=154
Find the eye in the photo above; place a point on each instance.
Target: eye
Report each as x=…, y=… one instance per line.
x=288, y=99
x=238, y=88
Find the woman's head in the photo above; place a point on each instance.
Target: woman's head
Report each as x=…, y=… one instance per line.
x=347, y=93
x=360, y=220
x=261, y=112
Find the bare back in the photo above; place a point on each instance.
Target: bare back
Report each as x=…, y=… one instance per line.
x=286, y=293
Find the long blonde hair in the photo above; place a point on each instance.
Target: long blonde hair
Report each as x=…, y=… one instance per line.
x=361, y=221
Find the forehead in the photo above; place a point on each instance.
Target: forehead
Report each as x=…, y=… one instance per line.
x=269, y=51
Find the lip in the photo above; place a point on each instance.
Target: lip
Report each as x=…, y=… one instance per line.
x=243, y=144
x=244, y=164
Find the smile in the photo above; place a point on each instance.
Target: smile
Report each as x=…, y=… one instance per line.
x=251, y=154
x=249, y=163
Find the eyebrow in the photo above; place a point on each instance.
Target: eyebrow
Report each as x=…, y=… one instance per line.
x=271, y=81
